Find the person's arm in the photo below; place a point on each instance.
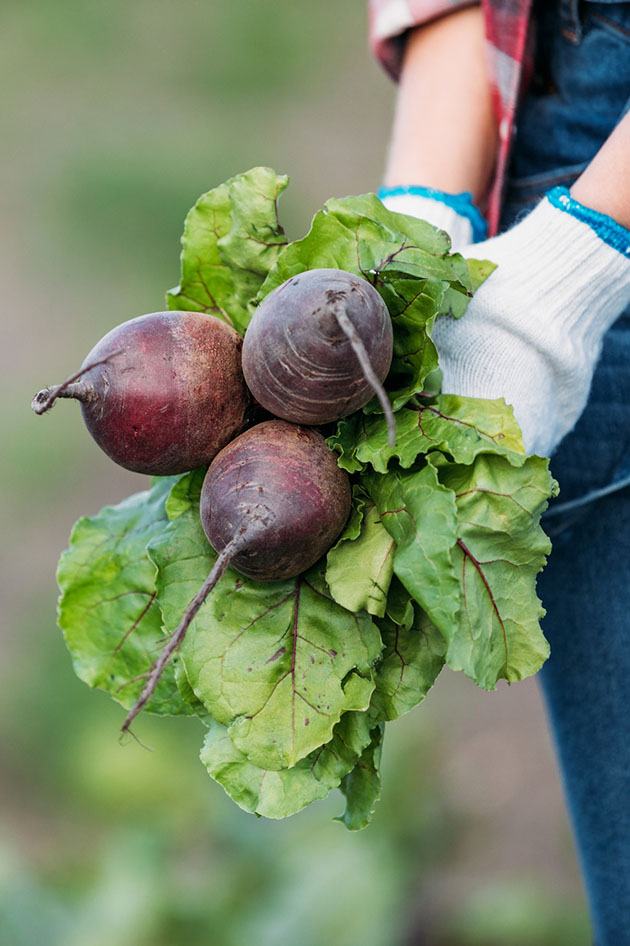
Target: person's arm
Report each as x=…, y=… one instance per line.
x=605, y=184
x=444, y=136
x=444, y=133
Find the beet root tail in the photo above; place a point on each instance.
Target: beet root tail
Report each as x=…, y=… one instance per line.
x=368, y=371
x=178, y=635
x=257, y=520
x=71, y=387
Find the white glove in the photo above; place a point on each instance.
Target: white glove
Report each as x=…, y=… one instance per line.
x=533, y=332
x=454, y=213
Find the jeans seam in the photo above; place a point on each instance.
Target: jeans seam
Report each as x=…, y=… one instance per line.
x=612, y=25
x=542, y=182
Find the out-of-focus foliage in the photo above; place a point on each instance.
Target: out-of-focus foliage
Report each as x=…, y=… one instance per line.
x=115, y=116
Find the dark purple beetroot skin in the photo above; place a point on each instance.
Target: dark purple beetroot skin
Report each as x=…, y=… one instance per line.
x=298, y=362
x=170, y=395
x=286, y=479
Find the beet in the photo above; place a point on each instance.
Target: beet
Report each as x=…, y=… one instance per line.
x=319, y=347
x=272, y=503
x=286, y=478
x=162, y=393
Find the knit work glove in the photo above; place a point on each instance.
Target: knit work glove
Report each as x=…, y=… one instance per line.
x=533, y=332
x=454, y=213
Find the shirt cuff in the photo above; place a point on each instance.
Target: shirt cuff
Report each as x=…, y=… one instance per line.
x=389, y=21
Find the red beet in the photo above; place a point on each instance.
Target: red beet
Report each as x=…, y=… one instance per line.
x=318, y=348
x=272, y=503
x=282, y=485
x=160, y=394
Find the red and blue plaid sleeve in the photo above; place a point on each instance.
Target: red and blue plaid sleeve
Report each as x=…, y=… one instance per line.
x=508, y=54
x=508, y=44
x=390, y=20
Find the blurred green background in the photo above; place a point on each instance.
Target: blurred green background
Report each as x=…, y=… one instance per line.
x=114, y=117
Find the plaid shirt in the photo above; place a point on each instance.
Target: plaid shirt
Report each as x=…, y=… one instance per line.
x=508, y=58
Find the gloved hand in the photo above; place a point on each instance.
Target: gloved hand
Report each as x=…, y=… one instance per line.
x=454, y=213
x=533, y=332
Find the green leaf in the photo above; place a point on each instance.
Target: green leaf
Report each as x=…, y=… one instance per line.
x=231, y=240
x=359, y=235
x=479, y=270
x=500, y=549
x=343, y=442
x=415, y=231
x=187, y=693
x=462, y=427
x=362, y=786
x=400, y=608
x=413, y=304
x=412, y=658
x=185, y=494
x=420, y=515
x=280, y=793
x=108, y=608
x=354, y=524
x=455, y=302
x=360, y=566
x=278, y=662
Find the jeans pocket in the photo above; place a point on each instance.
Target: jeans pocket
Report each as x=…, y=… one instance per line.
x=609, y=15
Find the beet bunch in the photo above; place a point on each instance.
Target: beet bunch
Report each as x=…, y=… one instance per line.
x=361, y=567
x=168, y=392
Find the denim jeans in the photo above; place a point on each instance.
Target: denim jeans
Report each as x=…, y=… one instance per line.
x=580, y=90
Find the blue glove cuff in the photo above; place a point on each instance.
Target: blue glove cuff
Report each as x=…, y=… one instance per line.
x=607, y=229
x=461, y=203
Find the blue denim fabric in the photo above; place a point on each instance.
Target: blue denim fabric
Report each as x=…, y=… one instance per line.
x=581, y=90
